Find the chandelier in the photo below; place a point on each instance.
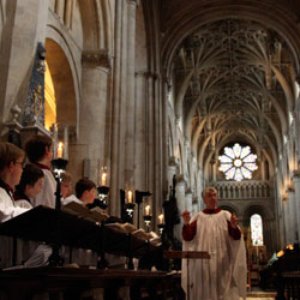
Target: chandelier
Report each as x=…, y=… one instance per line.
x=237, y=162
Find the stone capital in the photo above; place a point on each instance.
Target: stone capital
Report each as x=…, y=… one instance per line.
x=97, y=58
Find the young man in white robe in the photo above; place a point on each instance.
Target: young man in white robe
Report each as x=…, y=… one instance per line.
x=40, y=153
x=223, y=276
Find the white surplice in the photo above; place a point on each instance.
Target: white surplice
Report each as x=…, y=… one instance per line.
x=223, y=276
x=8, y=210
x=47, y=196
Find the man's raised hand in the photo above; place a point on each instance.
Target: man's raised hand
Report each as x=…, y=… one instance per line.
x=186, y=217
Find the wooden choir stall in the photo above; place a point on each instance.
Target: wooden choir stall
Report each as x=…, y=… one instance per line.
x=58, y=228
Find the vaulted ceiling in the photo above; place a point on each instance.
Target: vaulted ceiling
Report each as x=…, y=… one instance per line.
x=234, y=70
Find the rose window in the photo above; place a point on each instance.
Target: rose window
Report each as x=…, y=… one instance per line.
x=237, y=162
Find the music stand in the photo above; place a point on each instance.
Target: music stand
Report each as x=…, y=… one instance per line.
x=187, y=255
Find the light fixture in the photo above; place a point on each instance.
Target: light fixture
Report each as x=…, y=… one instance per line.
x=59, y=166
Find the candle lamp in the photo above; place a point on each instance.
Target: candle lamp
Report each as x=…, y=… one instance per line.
x=129, y=196
x=139, y=197
x=161, y=228
x=60, y=150
x=59, y=166
x=103, y=192
x=103, y=176
x=129, y=206
x=147, y=220
x=161, y=224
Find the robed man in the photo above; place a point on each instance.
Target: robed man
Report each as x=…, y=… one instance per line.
x=216, y=231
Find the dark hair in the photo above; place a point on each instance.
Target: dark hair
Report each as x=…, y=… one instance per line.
x=9, y=153
x=31, y=174
x=83, y=185
x=36, y=147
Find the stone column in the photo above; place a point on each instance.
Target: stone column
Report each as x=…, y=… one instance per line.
x=130, y=89
x=285, y=221
x=297, y=204
x=181, y=204
x=123, y=107
x=93, y=112
x=60, y=8
x=171, y=171
x=117, y=108
x=189, y=201
x=291, y=216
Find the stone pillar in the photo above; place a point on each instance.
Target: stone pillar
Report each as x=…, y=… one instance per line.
x=123, y=107
x=117, y=118
x=171, y=171
x=189, y=201
x=68, y=12
x=297, y=205
x=93, y=112
x=181, y=204
x=166, y=163
x=130, y=89
x=291, y=216
x=285, y=221
x=60, y=8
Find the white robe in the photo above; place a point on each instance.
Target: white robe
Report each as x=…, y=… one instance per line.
x=69, y=199
x=223, y=276
x=47, y=196
x=8, y=210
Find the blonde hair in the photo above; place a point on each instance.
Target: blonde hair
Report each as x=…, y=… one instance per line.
x=66, y=177
x=9, y=153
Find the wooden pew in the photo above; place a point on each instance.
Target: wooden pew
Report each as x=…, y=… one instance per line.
x=24, y=284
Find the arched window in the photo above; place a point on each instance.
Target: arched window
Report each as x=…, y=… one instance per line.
x=256, y=230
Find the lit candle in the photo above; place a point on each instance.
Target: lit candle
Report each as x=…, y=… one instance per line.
x=161, y=219
x=129, y=197
x=147, y=210
x=60, y=148
x=103, y=179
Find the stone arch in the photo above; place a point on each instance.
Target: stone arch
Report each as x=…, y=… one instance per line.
x=96, y=24
x=255, y=209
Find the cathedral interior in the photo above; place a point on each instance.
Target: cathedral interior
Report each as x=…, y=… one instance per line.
x=165, y=95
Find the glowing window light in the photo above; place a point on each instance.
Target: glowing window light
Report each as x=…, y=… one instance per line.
x=256, y=230
x=237, y=162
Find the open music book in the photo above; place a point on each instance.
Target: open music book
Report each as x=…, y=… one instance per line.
x=122, y=227
x=140, y=233
x=95, y=214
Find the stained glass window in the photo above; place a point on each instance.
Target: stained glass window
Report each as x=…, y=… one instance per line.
x=238, y=162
